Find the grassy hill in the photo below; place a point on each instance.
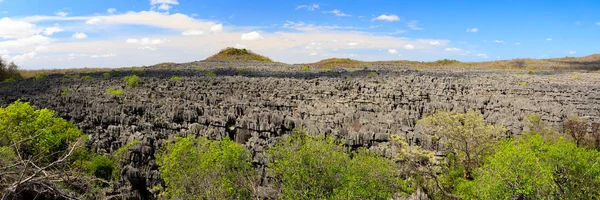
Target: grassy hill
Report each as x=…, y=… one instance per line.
x=231, y=53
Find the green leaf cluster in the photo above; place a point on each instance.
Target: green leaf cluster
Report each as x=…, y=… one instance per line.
x=198, y=168
x=317, y=167
x=132, y=81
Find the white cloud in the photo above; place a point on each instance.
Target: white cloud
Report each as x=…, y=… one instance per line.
x=111, y=10
x=79, y=36
x=572, y=52
x=451, y=49
x=392, y=51
x=499, y=41
x=549, y=39
x=24, y=42
x=4, y=51
x=414, y=25
x=148, y=41
x=351, y=43
x=23, y=57
x=147, y=48
x=94, y=20
x=163, y=4
x=313, y=54
x=42, y=49
x=61, y=13
x=483, y=55
x=389, y=18
x=148, y=18
x=309, y=7
x=103, y=55
x=435, y=42
x=409, y=47
x=338, y=13
x=597, y=23
x=216, y=28
x=192, y=32
x=472, y=30
x=517, y=43
x=251, y=36
x=52, y=30
x=16, y=29
x=131, y=41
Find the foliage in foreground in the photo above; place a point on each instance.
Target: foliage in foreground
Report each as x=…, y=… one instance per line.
x=308, y=167
x=198, y=168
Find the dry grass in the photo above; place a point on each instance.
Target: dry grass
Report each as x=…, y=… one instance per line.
x=39, y=72
x=591, y=62
x=231, y=53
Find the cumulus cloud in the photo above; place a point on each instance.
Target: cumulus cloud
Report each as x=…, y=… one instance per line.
x=351, y=43
x=147, y=48
x=572, y=52
x=103, y=55
x=94, y=20
x=16, y=29
x=131, y=41
x=414, y=25
x=389, y=18
x=483, y=55
x=499, y=41
x=392, y=51
x=309, y=7
x=192, y=32
x=111, y=10
x=549, y=39
x=61, y=13
x=517, y=43
x=472, y=30
x=451, y=49
x=4, y=51
x=251, y=36
x=216, y=28
x=52, y=30
x=338, y=13
x=23, y=57
x=435, y=42
x=313, y=54
x=409, y=47
x=79, y=36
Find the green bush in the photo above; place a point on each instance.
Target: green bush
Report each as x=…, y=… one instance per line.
x=307, y=167
x=44, y=133
x=64, y=92
x=531, y=72
x=40, y=76
x=305, y=68
x=137, y=71
x=210, y=74
x=175, y=78
x=372, y=74
x=86, y=77
x=10, y=80
x=198, y=168
x=114, y=92
x=327, y=70
x=531, y=168
x=101, y=167
x=132, y=81
x=106, y=75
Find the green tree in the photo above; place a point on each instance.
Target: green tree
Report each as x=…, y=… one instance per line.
x=470, y=137
x=531, y=168
x=132, y=81
x=198, y=168
x=317, y=167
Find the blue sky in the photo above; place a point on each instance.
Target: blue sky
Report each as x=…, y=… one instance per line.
x=114, y=33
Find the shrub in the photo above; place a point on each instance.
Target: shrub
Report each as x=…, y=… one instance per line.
x=305, y=68
x=446, y=62
x=10, y=80
x=8, y=71
x=51, y=134
x=106, y=75
x=241, y=72
x=372, y=74
x=132, y=81
x=576, y=77
x=198, y=168
x=137, y=71
x=175, y=78
x=530, y=168
x=40, y=76
x=210, y=74
x=523, y=83
x=470, y=137
x=86, y=77
x=101, y=167
x=114, y=92
x=308, y=167
x=64, y=92
x=531, y=72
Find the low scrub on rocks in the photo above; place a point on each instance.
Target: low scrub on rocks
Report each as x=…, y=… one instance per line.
x=231, y=53
x=132, y=81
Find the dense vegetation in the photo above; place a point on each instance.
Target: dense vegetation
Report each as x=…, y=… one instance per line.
x=480, y=162
x=231, y=53
x=9, y=72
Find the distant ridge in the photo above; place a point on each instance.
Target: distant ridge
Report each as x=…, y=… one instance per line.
x=230, y=53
